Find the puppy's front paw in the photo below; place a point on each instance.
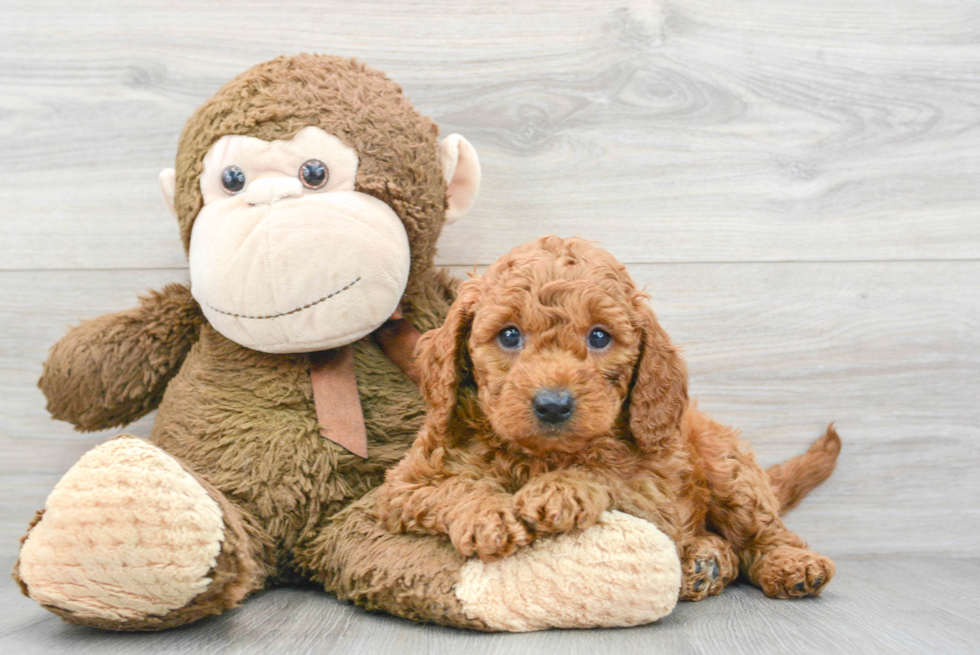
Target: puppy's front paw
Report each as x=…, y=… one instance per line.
x=789, y=572
x=554, y=503
x=491, y=530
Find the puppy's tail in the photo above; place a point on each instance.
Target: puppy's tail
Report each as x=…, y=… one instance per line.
x=795, y=478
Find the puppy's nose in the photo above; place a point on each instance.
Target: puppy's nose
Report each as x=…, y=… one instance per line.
x=553, y=406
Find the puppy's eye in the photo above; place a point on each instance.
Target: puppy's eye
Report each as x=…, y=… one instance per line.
x=510, y=338
x=598, y=339
x=313, y=174
x=232, y=179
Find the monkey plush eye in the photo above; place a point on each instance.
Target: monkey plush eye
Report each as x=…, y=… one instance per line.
x=313, y=174
x=598, y=338
x=233, y=179
x=510, y=338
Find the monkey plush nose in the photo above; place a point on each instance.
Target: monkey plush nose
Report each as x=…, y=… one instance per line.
x=553, y=406
x=268, y=190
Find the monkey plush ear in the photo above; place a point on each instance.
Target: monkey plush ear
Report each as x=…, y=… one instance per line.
x=461, y=170
x=168, y=184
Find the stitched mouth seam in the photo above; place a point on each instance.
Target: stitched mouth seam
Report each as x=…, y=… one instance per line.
x=298, y=309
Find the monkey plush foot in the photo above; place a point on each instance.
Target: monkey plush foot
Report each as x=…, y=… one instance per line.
x=130, y=540
x=622, y=571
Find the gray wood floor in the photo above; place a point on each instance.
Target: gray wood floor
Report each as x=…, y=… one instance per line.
x=884, y=605
x=796, y=183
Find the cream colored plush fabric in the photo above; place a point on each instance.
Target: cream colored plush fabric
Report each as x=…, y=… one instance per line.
x=165, y=535
x=577, y=580
x=461, y=170
x=281, y=268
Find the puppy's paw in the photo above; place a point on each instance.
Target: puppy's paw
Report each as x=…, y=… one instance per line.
x=389, y=509
x=557, y=503
x=790, y=572
x=708, y=565
x=491, y=530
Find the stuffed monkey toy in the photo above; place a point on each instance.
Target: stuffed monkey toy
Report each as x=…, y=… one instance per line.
x=309, y=195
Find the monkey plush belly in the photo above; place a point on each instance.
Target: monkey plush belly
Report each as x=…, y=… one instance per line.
x=246, y=421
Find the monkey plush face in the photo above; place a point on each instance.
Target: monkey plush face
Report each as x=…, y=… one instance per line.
x=277, y=256
x=309, y=195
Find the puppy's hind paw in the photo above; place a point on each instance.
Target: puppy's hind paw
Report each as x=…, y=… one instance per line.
x=789, y=572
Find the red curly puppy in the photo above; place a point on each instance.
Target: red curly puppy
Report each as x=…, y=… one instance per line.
x=553, y=396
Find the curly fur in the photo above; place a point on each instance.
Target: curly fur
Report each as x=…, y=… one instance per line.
x=487, y=473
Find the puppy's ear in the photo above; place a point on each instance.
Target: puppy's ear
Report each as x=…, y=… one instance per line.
x=444, y=365
x=658, y=396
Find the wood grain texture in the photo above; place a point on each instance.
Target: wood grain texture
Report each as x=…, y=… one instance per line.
x=900, y=605
x=796, y=183
x=680, y=130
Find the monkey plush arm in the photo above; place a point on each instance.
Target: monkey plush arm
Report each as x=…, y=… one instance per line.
x=110, y=371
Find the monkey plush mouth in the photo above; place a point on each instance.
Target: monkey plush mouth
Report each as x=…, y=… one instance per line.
x=292, y=311
x=254, y=269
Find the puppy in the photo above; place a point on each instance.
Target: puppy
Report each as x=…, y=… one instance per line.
x=554, y=395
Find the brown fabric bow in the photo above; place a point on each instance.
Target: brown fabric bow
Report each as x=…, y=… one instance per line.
x=338, y=404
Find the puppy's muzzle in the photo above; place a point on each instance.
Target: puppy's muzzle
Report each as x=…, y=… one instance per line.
x=553, y=406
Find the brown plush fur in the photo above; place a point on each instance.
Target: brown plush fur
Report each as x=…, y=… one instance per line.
x=418, y=575
x=244, y=421
x=488, y=473
x=115, y=368
x=359, y=105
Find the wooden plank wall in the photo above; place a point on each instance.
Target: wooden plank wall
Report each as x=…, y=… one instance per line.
x=796, y=182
